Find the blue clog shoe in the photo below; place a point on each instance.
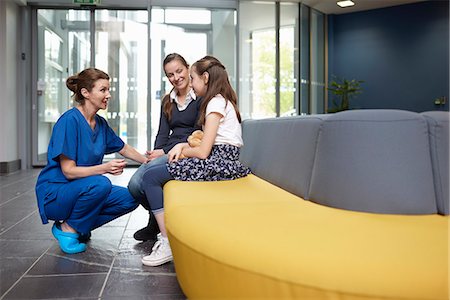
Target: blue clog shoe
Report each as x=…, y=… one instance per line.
x=68, y=241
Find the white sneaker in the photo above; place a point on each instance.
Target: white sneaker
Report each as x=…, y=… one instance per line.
x=161, y=253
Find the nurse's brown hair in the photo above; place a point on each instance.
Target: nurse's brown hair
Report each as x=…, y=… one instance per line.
x=84, y=80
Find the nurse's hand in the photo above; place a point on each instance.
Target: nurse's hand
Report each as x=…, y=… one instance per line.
x=154, y=154
x=115, y=166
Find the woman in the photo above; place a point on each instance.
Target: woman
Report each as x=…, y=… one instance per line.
x=179, y=114
x=215, y=159
x=71, y=189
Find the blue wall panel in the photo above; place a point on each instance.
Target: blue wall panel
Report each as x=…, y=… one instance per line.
x=401, y=52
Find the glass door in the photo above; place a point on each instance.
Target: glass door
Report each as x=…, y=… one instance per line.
x=121, y=51
x=64, y=39
x=192, y=33
x=63, y=48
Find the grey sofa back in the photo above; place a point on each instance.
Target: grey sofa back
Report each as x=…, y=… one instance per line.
x=438, y=128
x=280, y=150
x=381, y=161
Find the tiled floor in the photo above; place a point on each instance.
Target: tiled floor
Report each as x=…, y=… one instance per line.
x=33, y=267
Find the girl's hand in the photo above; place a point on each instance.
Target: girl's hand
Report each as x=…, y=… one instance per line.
x=154, y=154
x=115, y=166
x=175, y=152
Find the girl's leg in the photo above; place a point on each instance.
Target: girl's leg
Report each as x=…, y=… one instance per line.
x=162, y=226
x=118, y=202
x=80, y=202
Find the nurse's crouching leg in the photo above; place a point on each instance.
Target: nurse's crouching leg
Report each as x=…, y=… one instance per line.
x=118, y=203
x=90, y=202
x=77, y=204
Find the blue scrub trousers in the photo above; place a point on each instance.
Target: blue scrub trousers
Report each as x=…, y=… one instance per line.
x=90, y=202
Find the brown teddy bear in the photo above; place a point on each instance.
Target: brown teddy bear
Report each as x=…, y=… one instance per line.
x=194, y=140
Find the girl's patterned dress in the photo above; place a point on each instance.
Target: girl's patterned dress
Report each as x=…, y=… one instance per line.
x=222, y=164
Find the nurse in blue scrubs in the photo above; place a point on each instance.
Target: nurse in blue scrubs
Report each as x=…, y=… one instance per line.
x=71, y=189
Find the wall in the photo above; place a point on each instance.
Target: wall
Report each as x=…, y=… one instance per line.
x=9, y=60
x=401, y=52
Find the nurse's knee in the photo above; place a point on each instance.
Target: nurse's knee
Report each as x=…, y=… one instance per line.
x=100, y=186
x=128, y=203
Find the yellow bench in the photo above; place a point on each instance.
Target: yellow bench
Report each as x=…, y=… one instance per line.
x=248, y=238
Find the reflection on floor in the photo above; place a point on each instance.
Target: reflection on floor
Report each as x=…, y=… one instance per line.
x=33, y=267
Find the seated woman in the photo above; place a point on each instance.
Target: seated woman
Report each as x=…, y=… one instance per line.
x=179, y=116
x=71, y=189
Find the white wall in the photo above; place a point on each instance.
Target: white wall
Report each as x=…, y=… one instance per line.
x=9, y=61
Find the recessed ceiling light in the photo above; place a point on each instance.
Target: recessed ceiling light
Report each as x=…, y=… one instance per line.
x=345, y=3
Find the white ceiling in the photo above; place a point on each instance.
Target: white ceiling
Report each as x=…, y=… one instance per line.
x=330, y=7
x=325, y=6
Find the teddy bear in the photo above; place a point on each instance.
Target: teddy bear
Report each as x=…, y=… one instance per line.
x=194, y=140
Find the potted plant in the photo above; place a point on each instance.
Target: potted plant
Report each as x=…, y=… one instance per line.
x=343, y=90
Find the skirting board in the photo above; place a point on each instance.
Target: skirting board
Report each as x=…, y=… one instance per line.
x=9, y=166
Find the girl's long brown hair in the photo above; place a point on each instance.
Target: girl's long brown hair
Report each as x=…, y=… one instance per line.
x=166, y=103
x=218, y=83
x=84, y=80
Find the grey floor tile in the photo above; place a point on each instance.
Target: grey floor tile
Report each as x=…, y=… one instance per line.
x=54, y=287
x=147, y=297
x=20, y=248
x=99, y=252
x=108, y=233
x=12, y=178
x=12, y=268
x=14, y=190
x=130, y=246
x=69, y=264
x=126, y=262
x=131, y=284
x=30, y=228
x=16, y=210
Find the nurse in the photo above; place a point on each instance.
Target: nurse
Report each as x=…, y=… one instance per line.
x=71, y=189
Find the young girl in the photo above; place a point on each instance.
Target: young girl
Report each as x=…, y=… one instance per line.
x=215, y=159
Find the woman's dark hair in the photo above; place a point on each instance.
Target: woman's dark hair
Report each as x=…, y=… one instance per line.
x=84, y=80
x=166, y=103
x=218, y=83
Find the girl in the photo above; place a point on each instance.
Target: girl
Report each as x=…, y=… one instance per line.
x=71, y=189
x=179, y=118
x=215, y=159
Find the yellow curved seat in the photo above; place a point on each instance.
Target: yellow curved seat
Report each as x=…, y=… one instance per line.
x=250, y=239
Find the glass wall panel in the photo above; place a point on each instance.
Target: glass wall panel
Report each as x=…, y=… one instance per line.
x=63, y=48
x=181, y=35
x=193, y=33
x=304, y=59
x=289, y=58
x=318, y=62
x=257, y=76
x=121, y=51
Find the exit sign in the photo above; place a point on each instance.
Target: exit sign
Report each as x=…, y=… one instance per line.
x=89, y=2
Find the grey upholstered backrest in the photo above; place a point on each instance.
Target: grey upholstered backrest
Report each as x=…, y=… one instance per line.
x=281, y=150
x=374, y=161
x=438, y=128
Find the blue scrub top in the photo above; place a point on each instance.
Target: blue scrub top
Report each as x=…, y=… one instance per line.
x=74, y=138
